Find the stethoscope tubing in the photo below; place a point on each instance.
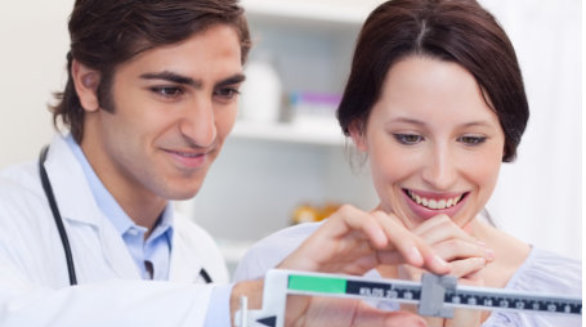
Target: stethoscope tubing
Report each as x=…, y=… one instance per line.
x=57, y=216
x=48, y=189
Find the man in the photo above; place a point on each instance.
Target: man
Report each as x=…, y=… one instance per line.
x=87, y=236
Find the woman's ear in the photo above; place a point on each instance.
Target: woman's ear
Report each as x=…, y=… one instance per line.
x=358, y=136
x=86, y=82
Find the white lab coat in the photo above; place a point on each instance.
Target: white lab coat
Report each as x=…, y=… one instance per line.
x=34, y=283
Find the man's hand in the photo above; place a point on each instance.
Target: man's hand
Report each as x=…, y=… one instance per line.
x=303, y=311
x=306, y=311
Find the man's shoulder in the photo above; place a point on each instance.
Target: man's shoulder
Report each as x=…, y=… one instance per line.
x=19, y=182
x=21, y=198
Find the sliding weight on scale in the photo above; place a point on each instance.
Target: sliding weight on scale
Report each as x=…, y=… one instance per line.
x=435, y=295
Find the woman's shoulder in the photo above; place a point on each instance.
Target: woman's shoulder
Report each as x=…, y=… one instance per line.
x=542, y=272
x=548, y=272
x=271, y=250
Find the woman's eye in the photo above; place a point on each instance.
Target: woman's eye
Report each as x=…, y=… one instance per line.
x=227, y=92
x=472, y=140
x=408, y=139
x=167, y=91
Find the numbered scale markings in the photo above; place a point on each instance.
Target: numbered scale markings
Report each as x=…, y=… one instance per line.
x=410, y=292
x=435, y=296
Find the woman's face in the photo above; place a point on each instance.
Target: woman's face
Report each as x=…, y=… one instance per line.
x=434, y=145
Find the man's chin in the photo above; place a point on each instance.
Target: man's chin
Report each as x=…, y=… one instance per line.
x=181, y=193
x=182, y=196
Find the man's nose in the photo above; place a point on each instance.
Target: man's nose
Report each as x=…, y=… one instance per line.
x=198, y=123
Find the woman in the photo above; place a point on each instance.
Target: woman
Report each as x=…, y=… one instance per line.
x=436, y=101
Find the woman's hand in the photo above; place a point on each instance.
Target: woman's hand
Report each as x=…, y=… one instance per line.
x=353, y=241
x=465, y=255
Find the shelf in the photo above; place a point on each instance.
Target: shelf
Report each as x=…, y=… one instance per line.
x=320, y=133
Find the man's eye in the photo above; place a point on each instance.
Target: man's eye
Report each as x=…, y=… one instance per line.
x=227, y=92
x=167, y=91
x=472, y=140
x=408, y=139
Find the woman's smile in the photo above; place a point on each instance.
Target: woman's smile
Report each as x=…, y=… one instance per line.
x=426, y=205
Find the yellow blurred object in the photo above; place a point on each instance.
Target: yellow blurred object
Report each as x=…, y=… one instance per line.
x=305, y=212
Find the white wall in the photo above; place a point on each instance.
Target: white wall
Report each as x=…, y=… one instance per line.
x=32, y=60
x=538, y=198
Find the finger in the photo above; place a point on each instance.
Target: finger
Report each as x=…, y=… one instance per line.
x=402, y=319
x=368, y=316
x=349, y=218
x=464, y=317
x=467, y=267
x=440, y=228
x=400, y=239
x=453, y=249
x=412, y=248
x=429, y=321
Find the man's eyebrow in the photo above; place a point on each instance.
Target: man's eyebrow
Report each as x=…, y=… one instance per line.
x=179, y=79
x=235, y=79
x=173, y=77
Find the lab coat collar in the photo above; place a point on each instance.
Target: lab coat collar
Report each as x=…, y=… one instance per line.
x=73, y=194
x=184, y=265
x=77, y=204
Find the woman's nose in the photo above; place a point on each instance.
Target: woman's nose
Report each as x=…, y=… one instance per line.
x=440, y=169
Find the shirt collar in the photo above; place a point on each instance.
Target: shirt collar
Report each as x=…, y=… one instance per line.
x=106, y=202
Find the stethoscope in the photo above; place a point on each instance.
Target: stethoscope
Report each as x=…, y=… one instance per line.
x=59, y=222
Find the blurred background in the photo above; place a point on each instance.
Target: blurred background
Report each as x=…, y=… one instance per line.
x=287, y=161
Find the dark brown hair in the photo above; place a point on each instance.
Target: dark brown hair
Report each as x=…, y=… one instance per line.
x=459, y=31
x=106, y=33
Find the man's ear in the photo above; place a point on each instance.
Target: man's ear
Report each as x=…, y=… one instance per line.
x=86, y=81
x=357, y=133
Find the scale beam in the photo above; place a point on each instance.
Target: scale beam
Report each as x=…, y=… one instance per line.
x=435, y=295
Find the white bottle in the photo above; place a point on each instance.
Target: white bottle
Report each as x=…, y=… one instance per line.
x=261, y=92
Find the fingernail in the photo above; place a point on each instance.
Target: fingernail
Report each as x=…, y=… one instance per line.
x=440, y=262
x=489, y=254
x=415, y=256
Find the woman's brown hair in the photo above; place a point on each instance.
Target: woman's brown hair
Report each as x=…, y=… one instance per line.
x=459, y=31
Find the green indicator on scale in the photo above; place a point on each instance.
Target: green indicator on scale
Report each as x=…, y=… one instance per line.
x=317, y=284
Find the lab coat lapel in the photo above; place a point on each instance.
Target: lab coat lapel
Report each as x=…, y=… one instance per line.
x=184, y=264
x=77, y=205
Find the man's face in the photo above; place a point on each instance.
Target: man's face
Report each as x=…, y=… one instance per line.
x=173, y=108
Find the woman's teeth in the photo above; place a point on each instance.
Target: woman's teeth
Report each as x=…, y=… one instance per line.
x=435, y=204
